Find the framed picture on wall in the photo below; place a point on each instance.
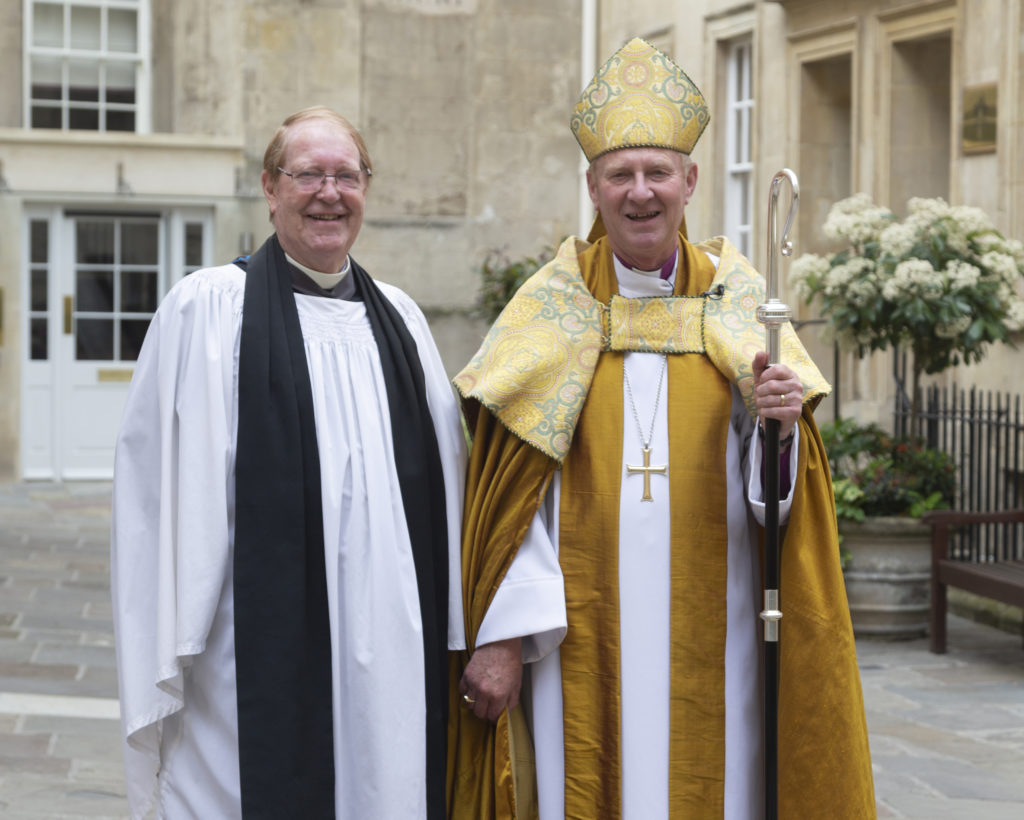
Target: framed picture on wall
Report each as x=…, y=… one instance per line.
x=978, y=134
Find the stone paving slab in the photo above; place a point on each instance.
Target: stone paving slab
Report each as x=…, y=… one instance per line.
x=60, y=752
x=946, y=731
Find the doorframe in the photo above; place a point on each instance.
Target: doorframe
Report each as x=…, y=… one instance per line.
x=44, y=384
x=38, y=376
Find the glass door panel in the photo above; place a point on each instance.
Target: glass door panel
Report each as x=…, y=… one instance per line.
x=117, y=285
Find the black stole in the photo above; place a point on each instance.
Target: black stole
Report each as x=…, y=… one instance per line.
x=282, y=634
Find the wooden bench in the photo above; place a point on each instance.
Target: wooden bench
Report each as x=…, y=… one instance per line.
x=1001, y=581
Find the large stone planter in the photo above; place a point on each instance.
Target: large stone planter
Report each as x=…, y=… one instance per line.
x=887, y=576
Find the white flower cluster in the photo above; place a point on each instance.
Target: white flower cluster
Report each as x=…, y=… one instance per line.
x=1003, y=266
x=925, y=211
x=1014, y=248
x=805, y=272
x=913, y=278
x=972, y=220
x=897, y=239
x=894, y=275
x=856, y=220
x=957, y=225
x=839, y=278
x=991, y=242
x=961, y=275
x=1015, y=315
x=860, y=293
x=1006, y=295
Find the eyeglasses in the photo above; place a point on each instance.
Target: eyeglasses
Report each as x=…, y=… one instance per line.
x=310, y=181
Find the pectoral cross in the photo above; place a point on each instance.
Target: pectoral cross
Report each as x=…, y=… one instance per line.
x=647, y=469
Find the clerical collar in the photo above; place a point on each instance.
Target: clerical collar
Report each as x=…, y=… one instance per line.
x=664, y=272
x=317, y=283
x=635, y=283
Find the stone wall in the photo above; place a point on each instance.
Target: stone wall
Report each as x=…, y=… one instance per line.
x=10, y=66
x=464, y=106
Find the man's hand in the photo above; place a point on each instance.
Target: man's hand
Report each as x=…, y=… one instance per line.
x=778, y=392
x=493, y=678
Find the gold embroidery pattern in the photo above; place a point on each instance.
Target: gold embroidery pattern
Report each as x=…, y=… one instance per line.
x=535, y=367
x=639, y=98
x=734, y=335
x=656, y=325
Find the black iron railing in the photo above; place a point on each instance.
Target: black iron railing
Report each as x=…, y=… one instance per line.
x=983, y=431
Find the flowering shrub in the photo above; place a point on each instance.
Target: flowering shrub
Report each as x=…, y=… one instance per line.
x=874, y=473
x=942, y=283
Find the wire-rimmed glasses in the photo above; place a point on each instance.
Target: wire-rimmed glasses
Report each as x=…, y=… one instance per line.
x=310, y=181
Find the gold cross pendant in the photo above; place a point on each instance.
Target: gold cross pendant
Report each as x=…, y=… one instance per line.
x=647, y=469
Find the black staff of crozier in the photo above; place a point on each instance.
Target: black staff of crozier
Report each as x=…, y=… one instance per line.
x=772, y=315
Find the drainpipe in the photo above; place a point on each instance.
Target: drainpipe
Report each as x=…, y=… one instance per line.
x=588, y=57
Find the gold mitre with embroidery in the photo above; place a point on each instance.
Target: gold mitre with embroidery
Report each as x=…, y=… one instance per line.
x=639, y=99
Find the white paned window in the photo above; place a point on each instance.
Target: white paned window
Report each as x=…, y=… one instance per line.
x=739, y=206
x=86, y=64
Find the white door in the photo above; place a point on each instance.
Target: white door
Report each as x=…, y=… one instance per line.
x=110, y=291
x=105, y=276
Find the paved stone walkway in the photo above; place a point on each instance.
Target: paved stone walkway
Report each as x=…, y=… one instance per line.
x=59, y=747
x=947, y=731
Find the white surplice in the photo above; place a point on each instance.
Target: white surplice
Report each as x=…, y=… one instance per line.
x=173, y=525
x=530, y=603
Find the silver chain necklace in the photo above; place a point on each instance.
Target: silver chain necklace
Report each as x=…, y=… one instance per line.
x=645, y=443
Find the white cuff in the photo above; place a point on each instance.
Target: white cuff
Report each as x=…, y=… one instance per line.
x=530, y=602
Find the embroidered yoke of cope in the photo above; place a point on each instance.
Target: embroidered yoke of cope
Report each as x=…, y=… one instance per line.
x=555, y=399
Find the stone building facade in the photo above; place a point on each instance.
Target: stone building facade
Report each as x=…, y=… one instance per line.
x=131, y=141
x=132, y=133
x=855, y=96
